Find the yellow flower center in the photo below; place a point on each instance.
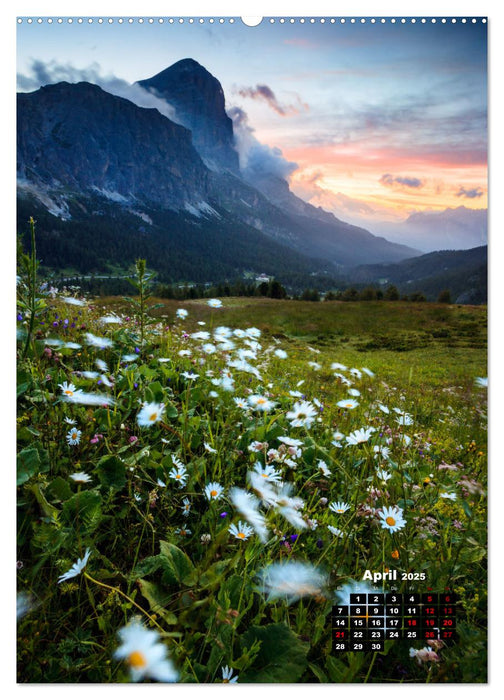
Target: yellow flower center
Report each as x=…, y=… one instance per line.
x=265, y=476
x=261, y=401
x=74, y=435
x=68, y=392
x=137, y=660
x=390, y=521
x=178, y=476
x=241, y=535
x=153, y=417
x=213, y=493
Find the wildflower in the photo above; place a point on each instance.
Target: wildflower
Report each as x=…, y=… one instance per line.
x=128, y=358
x=72, y=301
x=404, y=419
x=181, y=313
x=227, y=675
x=161, y=483
x=186, y=506
x=214, y=303
x=315, y=365
x=383, y=408
x=260, y=403
x=381, y=450
x=183, y=531
x=213, y=491
x=302, y=415
x=205, y=538
x=281, y=354
x=90, y=399
x=356, y=373
x=338, y=365
x=179, y=473
x=98, y=342
x=69, y=421
x=354, y=392
x=110, y=318
x=145, y=655
x=189, y=375
x=481, y=381
x=77, y=568
x=149, y=414
x=367, y=371
x=73, y=437
x=268, y=473
x=68, y=389
x=338, y=507
x=395, y=554
x=452, y=496
x=248, y=506
x=241, y=531
x=80, y=477
x=292, y=580
x=253, y=333
x=359, y=436
x=392, y=518
x=423, y=655
x=209, y=348
x=256, y=446
x=201, y=335
x=324, y=468
x=348, y=403
x=292, y=516
x=291, y=442
x=383, y=475
x=338, y=436
x=209, y=448
x=335, y=531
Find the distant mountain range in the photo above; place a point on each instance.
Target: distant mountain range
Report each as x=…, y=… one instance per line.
x=89, y=161
x=463, y=272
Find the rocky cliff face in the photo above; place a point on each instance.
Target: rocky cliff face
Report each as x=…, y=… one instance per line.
x=198, y=99
x=78, y=137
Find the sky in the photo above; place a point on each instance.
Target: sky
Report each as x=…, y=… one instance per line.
x=373, y=121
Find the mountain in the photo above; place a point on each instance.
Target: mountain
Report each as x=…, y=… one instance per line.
x=457, y=228
x=198, y=99
x=464, y=272
x=84, y=154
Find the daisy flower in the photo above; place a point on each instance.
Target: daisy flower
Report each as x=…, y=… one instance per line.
x=80, y=477
x=183, y=531
x=186, y=506
x=90, y=399
x=381, y=451
x=367, y=371
x=290, y=442
x=354, y=392
x=253, y=333
x=214, y=303
x=383, y=408
x=76, y=568
x=97, y=342
x=302, y=415
x=481, y=381
x=268, y=473
x=248, y=506
x=292, y=580
x=356, y=373
x=348, y=403
x=73, y=301
x=452, y=496
x=181, y=313
x=189, y=375
x=293, y=516
x=227, y=675
x=209, y=348
x=111, y=318
x=324, y=468
x=383, y=475
x=201, y=335
x=335, y=531
x=338, y=507
x=315, y=365
x=69, y=421
x=392, y=518
x=209, y=448
x=260, y=403
x=179, y=474
x=213, y=491
x=241, y=531
x=73, y=436
x=145, y=654
x=68, y=389
x=149, y=414
x=337, y=435
x=338, y=365
x=257, y=446
x=281, y=354
x=404, y=419
x=359, y=436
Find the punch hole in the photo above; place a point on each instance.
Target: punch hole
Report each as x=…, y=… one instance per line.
x=252, y=21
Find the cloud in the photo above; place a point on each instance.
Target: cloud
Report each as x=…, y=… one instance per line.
x=390, y=181
x=257, y=159
x=53, y=72
x=266, y=94
x=470, y=194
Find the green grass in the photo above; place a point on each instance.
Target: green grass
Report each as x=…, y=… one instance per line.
x=201, y=590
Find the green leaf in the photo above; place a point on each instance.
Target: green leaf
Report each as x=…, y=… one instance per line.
x=282, y=657
x=31, y=461
x=466, y=508
x=214, y=574
x=83, y=510
x=170, y=409
x=154, y=392
x=59, y=489
x=157, y=600
x=112, y=472
x=176, y=565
